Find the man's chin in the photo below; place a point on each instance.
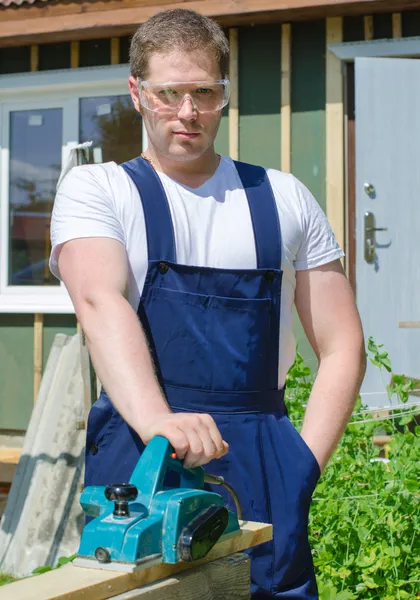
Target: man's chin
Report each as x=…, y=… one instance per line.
x=183, y=154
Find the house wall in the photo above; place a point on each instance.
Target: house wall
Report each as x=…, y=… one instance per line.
x=260, y=137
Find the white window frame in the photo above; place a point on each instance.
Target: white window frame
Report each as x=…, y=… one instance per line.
x=46, y=89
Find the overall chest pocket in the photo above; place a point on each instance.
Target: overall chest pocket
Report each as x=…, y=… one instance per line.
x=208, y=342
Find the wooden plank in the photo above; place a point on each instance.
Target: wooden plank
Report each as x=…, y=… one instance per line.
x=227, y=577
x=382, y=440
x=286, y=60
x=9, y=458
x=397, y=25
x=120, y=17
x=38, y=343
x=234, y=96
x=409, y=324
x=335, y=132
x=10, y=455
x=368, y=27
x=74, y=55
x=115, y=51
x=34, y=57
x=77, y=583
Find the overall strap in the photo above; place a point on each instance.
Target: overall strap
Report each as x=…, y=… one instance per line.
x=264, y=215
x=157, y=214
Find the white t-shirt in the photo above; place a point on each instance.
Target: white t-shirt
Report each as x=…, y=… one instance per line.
x=212, y=226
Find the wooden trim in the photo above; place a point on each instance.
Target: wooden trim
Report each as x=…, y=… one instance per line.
x=397, y=25
x=38, y=347
x=351, y=176
x=115, y=51
x=335, y=132
x=409, y=324
x=74, y=55
x=368, y=27
x=234, y=95
x=286, y=73
x=34, y=57
x=111, y=18
x=71, y=582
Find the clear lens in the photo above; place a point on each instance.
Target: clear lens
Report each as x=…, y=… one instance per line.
x=168, y=97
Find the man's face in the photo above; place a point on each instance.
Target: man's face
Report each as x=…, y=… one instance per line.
x=186, y=134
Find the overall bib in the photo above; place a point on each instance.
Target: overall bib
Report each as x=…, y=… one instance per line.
x=214, y=337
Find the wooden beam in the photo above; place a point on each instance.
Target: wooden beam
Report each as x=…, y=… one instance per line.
x=115, y=51
x=74, y=54
x=397, y=25
x=82, y=20
x=286, y=71
x=234, y=95
x=335, y=132
x=38, y=346
x=34, y=57
x=368, y=27
x=409, y=324
x=9, y=458
x=74, y=583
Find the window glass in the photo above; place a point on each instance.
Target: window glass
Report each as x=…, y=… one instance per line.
x=113, y=126
x=35, y=164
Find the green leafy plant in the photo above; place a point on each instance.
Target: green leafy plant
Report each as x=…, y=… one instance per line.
x=63, y=560
x=365, y=515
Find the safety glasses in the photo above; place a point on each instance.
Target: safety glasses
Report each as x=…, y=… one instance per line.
x=205, y=96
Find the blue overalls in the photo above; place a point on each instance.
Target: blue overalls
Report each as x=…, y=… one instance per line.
x=214, y=337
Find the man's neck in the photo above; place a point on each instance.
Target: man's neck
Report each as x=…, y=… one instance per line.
x=191, y=173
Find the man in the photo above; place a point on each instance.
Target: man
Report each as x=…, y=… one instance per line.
x=183, y=267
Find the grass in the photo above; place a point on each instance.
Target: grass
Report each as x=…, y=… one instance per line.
x=4, y=578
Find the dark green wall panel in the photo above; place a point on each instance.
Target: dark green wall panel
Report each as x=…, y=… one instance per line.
x=382, y=26
x=54, y=324
x=353, y=29
x=222, y=139
x=308, y=126
x=260, y=95
x=411, y=23
x=308, y=106
x=16, y=370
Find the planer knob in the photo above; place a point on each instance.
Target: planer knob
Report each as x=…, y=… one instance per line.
x=121, y=494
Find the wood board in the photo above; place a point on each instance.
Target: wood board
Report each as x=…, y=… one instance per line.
x=77, y=583
x=227, y=578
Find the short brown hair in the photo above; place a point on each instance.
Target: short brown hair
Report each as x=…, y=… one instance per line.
x=177, y=29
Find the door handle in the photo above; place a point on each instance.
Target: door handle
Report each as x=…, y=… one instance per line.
x=370, y=236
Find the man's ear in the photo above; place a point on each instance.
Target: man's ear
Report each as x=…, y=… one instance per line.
x=134, y=93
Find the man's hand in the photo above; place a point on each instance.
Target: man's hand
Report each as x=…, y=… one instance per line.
x=194, y=436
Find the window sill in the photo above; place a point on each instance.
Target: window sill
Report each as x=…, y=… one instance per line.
x=34, y=303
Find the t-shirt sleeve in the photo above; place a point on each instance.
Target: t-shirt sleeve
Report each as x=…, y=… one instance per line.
x=83, y=207
x=318, y=246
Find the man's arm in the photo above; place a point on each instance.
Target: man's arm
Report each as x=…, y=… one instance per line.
x=95, y=272
x=327, y=310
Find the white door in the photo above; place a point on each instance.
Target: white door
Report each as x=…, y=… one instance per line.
x=388, y=215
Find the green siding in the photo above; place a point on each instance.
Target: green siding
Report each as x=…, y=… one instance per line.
x=17, y=363
x=222, y=139
x=353, y=29
x=411, y=23
x=308, y=124
x=54, y=324
x=308, y=106
x=16, y=370
x=382, y=26
x=260, y=95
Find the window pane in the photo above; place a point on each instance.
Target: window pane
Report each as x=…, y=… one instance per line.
x=114, y=127
x=35, y=164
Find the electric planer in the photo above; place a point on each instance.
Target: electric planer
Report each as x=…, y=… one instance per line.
x=141, y=523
